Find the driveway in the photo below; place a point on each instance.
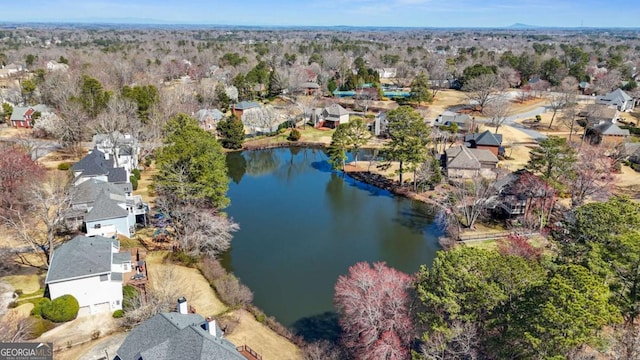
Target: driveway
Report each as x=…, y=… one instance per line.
x=510, y=121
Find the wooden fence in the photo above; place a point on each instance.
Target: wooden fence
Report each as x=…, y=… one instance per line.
x=493, y=236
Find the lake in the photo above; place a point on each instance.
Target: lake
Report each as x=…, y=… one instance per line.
x=302, y=225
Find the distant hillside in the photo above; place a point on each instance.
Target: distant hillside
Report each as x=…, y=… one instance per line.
x=522, y=26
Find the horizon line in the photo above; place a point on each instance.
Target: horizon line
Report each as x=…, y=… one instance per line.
x=158, y=22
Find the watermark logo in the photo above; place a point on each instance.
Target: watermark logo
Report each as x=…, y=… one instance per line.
x=26, y=351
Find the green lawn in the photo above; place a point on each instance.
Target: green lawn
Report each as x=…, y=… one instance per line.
x=27, y=283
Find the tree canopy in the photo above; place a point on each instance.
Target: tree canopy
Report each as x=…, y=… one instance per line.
x=553, y=160
x=409, y=136
x=145, y=97
x=231, y=130
x=191, y=165
x=420, y=89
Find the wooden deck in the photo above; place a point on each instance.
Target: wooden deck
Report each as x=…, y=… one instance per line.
x=138, y=266
x=248, y=353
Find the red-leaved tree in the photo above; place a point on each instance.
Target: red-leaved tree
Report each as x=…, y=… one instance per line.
x=373, y=304
x=518, y=245
x=17, y=172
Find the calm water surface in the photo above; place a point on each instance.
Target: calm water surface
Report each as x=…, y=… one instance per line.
x=302, y=225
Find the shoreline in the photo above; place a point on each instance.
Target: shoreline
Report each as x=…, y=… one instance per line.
x=371, y=178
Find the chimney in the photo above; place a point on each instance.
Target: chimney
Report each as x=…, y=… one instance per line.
x=182, y=305
x=211, y=326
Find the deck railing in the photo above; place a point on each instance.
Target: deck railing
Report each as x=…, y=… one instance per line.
x=493, y=236
x=246, y=350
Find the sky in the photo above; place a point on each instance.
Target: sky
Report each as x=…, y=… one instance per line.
x=397, y=13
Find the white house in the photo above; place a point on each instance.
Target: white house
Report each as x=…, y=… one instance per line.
x=105, y=208
x=387, y=73
x=618, y=98
x=109, y=217
x=90, y=269
x=53, y=65
x=123, y=149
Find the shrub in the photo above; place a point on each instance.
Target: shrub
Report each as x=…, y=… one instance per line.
x=184, y=259
x=13, y=304
x=136, y=173
x=96, y=334
x=64, y=166
x=129, y=296
x=232, y=292
x=39, y=326
x=295, y=135
x=134, y=182
x=147, y=161
x=211, y=269
x=38, y=304
x=61, y=309
x=228, y=323
x=118, y=314
x=538, y=118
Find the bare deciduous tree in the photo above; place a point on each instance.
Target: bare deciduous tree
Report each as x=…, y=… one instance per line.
x=260, y=119
x=119, y=118
x=322, y=350
x=593, y=178
x=468, y=200
x=47, y=203
x=160, y=296
x=498, y=111
x=15, y=328
x=72, y=127
x=482, y=89
x=608, y=81
x=459, y=344
x=564, y=96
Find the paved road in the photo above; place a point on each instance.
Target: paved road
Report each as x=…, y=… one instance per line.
x=511, y=121
x=39, y=147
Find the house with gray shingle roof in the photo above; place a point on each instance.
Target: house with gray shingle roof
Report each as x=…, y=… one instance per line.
x=243, y=106
x=632, y=152
x=598, y=113
x=94, y=165
x=122, y=149
x=176, y=336
x=99, y=166
x=90, y=269
x=606, y=132
x=332, y=116
x=106, y=209
x=108, y=217
x=485, y=140
x=209, y=118
x=23, y=116
x=463, y=162
x=618, y=98
x=448, y=118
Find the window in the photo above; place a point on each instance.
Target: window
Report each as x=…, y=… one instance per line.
x=104, y=277
x=97, y=226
